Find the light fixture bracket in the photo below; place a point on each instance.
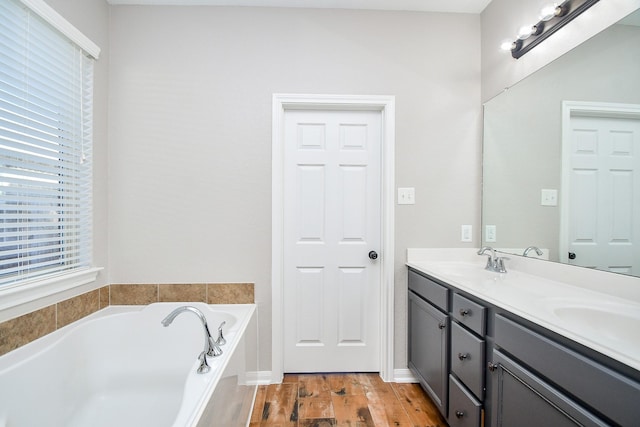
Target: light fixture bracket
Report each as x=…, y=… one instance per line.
x=570, y=8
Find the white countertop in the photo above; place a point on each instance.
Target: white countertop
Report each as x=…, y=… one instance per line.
x=599, y=310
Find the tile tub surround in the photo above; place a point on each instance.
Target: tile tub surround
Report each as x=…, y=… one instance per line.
x=22, y=330
x=210, y=293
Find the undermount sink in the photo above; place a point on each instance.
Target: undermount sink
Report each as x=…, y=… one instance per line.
x=619, y=322
x=460, y=269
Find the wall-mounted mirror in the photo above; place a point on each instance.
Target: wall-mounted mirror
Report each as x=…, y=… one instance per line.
x=561, y=160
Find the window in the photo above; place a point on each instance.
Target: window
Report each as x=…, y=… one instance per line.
x=45, y=148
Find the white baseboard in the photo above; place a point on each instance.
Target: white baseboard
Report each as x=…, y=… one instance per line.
x=259, y=378
x=403, y=376
x=265, y=377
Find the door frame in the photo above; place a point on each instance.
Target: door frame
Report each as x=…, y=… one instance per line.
x=581, y=109
x=386, y=105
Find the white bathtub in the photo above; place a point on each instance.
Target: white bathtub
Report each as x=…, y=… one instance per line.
x=121, y=367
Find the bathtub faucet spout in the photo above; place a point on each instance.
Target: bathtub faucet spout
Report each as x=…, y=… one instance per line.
x=210, y=346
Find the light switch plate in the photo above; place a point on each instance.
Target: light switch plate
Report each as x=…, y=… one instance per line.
x=490, y=234
x=407, y=196
x=466, y=233
x=549, y=197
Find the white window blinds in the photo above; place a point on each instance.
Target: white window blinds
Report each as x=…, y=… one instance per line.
x=45, y=148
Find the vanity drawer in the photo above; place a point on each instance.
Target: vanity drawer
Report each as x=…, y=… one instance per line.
x=470, y=314
x=431, y=291
x=467, y=359
x=600, y=387
x=464, y=409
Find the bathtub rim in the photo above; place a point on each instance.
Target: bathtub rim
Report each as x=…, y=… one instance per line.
x=25, y=353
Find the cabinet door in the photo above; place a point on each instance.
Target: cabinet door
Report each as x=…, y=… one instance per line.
x=523, y=400
x=428, y=349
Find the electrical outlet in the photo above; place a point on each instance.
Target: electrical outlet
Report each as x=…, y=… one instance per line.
x=407, y=196
x=549, y=197
x=490, y=234
x=466, y=232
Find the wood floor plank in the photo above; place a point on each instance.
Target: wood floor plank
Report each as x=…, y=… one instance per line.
x=258, y=405
x=391, y=414
x=352, y=411
x=312, y=385
x=417, y=405
x=375, y=389
x=315, y=407
x=322, y=422
x=281, y=406
x=384, y=405
x=290, y=378
x=345, y=384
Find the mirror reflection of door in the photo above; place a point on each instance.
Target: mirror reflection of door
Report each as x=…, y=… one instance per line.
x=601, y=165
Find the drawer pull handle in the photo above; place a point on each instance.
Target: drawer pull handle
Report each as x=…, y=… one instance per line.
x=462, y=356
x=465, y=312
x=459, y=414
x=442, y=325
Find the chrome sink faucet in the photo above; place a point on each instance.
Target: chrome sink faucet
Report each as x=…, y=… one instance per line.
x=532, y=248
x=494, y=263
x=211, y=348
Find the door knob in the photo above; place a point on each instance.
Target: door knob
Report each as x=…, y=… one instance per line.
x=373, y=255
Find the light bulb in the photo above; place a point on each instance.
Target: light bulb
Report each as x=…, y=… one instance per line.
x=525, y=32
x=548, y=12
x=506, y=45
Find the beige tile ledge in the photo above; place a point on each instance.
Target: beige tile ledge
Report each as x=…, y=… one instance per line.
x=210, y=293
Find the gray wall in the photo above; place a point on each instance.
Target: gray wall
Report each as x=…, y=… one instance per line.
x=188, y=160
x=190, y=132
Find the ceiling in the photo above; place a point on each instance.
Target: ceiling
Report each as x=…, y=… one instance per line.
x=456, y=6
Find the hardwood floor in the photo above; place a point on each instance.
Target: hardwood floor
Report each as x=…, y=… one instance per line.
x=324, y=400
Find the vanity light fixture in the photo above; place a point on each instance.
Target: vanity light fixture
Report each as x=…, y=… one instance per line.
x=552, y=17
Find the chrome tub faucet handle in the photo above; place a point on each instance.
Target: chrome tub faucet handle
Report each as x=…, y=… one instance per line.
x=221, y=340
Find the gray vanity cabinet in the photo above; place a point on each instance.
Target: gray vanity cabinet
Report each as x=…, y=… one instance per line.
x=485, y=366
x=565, y=387
x=524, y=400
x=428, y=337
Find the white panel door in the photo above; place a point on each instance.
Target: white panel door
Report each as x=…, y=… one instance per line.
x=332, y=220
x=604, y=212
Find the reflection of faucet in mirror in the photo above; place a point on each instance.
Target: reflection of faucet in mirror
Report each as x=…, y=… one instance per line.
x=532, y=248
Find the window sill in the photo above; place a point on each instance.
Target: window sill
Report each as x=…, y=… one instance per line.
x=16, y=300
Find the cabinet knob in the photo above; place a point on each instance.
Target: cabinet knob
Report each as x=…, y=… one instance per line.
x=463, y=356
x=492, y=366
x=442, y=325
x=465, y=312
x=459, y=414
